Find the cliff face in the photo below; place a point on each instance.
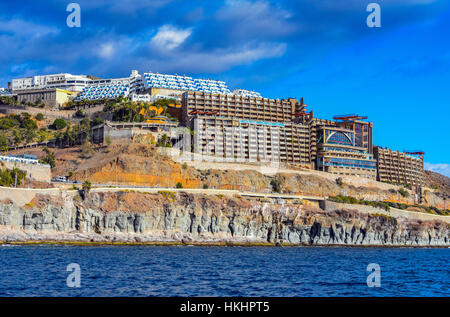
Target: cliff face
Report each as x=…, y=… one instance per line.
x=140, y=217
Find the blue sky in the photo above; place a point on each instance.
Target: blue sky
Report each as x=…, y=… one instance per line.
x=323, y=51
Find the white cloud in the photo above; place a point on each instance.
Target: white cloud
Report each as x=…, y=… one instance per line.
x=219, y=60
x=260, y=18
x=443, y=169
x=26, y=29
x=170, y=37
x=106, y=50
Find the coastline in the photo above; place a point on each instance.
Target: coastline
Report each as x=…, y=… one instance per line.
x=213, y=244
x=131, y=218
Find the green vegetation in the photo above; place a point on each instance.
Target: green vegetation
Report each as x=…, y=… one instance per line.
x=164, y=141
x=12, y=101
x=389, y=218
x=5, y=100
x=427, y=209
x=18, y=128
x=96, y=121
x=179, y=185
x=340, y=182
x=11, y=177
x=86, y=187
x=168, y=195
x=59, y=124
x=403, y=192
x=124, y=110
x=74, y=134
x=164, y=102
x=387, y=205
x=22, y=129
x=205, y=186
x=80, y=113
x=353, y=200
x=276, y=185
x=49, y=157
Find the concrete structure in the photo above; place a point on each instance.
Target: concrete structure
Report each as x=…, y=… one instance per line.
x=106, y=89
x=120, y=130
x=246, y=93
x=362, y=131
x=339, y=151
x=399, y=168
x=238, y=140
x=169, y=86
x=183, y=83
x=239, y=107
x=74, y=83
x=6, y=92
x=50, y=97
x=35, y=170
x=140, y=97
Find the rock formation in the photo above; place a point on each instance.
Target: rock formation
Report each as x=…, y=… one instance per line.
x=197, y=218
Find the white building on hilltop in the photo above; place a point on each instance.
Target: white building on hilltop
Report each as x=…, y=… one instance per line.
x=5, y=92
x=65, y=81
x=246, y=93
x=153, y=84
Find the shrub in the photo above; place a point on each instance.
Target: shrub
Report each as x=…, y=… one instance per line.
x=168, y=195
x=49, y=158
x=39, y=117
x=403, y=192
x=276, y=185
x=164, y=141
x=205, y=186
x=340, y=182
x=97, y=121
x=80, y=113
x=59, y=124
x=184, y=166
x=179, y=185
x=12, y=177
x=87, y=186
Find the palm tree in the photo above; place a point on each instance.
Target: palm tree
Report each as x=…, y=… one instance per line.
x=87, y=186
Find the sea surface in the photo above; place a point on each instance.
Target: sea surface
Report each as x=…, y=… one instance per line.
x=222, y=271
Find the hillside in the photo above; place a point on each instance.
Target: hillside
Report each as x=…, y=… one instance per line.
x=141, y=163
x=439, y=182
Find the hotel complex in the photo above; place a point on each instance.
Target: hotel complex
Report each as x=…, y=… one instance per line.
x=241, y=126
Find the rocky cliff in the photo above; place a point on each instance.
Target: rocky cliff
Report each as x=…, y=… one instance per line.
x=183, y=217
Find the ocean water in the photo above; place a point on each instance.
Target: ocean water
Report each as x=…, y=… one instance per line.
x=222, y=271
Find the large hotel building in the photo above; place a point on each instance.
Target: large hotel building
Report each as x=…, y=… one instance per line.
x=399, y=167
x=251, y=129
x=242, y=126
x=239, y=140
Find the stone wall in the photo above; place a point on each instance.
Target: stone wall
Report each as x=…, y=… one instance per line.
x=41, y=173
